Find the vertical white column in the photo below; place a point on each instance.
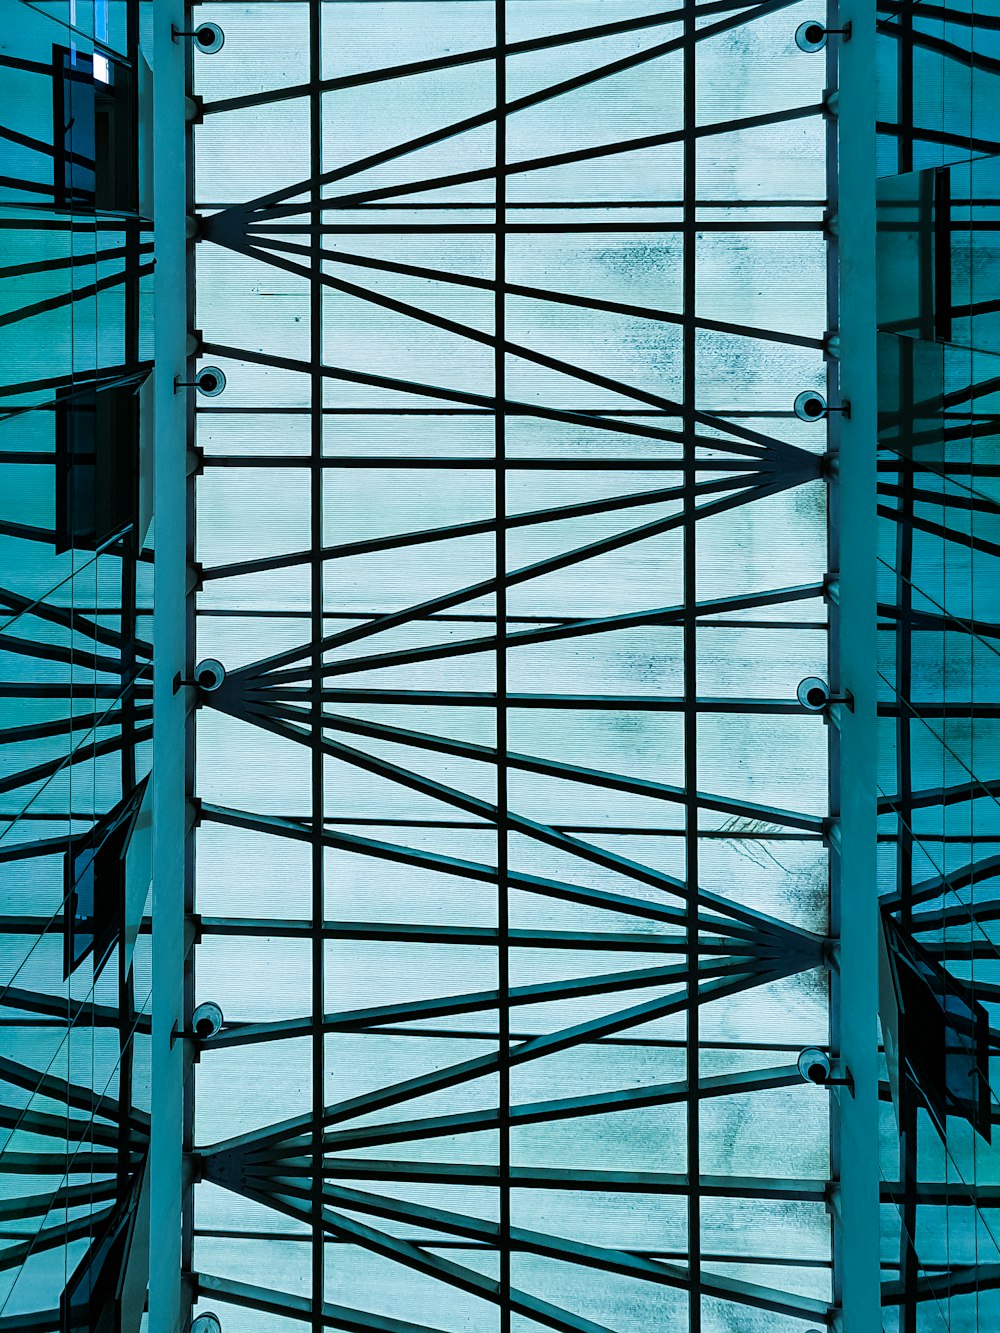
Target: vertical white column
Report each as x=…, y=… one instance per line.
x=858, y=989
x=169, y=632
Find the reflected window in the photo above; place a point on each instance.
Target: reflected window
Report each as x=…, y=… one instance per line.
x=97, y=470
x=95, y=884
x=945, y=1049
x=94, y=118
x=99, y=1297
x=914, y=254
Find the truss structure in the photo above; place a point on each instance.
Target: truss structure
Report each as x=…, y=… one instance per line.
x=512, y=877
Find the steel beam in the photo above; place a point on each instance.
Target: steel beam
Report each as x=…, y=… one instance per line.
x=855, y=990
x=170, y=648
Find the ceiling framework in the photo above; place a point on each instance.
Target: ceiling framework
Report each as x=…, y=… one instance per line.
x=512, y=870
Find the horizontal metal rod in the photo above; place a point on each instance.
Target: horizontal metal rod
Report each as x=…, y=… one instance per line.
x=242, y=1034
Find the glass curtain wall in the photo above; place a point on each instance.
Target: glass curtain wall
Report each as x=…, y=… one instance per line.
x=939, y=369
x=75, y=702
x=512, y=879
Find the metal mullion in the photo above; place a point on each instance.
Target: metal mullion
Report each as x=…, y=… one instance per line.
x=127, y=629
x=639, y=703
x=833, y=745
x=909, y=1261
x=189, y=1090
x=541, y=204
x=425, y=1261
x=690, y=654
x=459, y=935
x=500, y=595
x=547, y=228
x=607, y=464
x=638, y=1043
x=905, y=105
x=318, y=1039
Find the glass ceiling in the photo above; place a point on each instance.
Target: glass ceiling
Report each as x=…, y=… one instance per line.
x=511, y=874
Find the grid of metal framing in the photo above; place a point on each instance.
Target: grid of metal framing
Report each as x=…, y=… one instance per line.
x=512, y=871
